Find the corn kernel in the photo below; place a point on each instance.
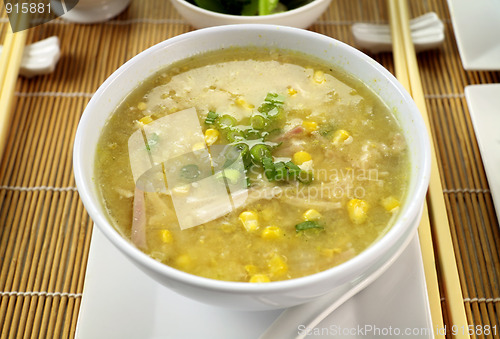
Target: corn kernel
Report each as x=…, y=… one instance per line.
x=166, y=236
x=243, y=103
x=198, y=146
x=146, y=120
x=390, y=204
x=142, y=106
x=301, y=157
x=357, y=210
x=311, y=215
x=250, y=220
x=291, y=91
x=277, y=265
x=330, y=252
x=272, y=232
x=310, y=126
x=211, y=136
x=251, y=269
x=319, y=77
x=259, y=278
x=341, y=137
x=184, y=261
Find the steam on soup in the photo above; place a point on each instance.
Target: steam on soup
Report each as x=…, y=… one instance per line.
x=252, y=165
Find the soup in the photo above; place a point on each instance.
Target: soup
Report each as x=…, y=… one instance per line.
x=252, y=165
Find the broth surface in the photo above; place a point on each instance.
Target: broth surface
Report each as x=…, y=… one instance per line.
x=324, y=165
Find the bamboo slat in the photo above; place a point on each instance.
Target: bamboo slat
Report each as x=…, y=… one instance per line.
x=45, y=232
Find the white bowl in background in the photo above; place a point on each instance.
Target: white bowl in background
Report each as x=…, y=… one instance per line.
x=301, y=17
x=240, y=295
x=91, y=11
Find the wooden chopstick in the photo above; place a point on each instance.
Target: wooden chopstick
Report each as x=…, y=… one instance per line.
x=424, y=233
x=435, y=223
x=10, y=63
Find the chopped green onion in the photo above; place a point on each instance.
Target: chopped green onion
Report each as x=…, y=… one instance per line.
x=306, y=177
x=281, y=171
x=211, y=117
x=293, y=170
x=152, y=141
x=242, y=148
x=190, y=172
x=258, y=121
x=307, y=225
x=235, y=135
x=272, y=106
x=234, y=151
x=252, y=134
x=274, y=113
x=232, y=175
x=271, y=111
x=275, y=98
x=226, y=121
x=266, y=107
x=269, y=170
x=259, y=152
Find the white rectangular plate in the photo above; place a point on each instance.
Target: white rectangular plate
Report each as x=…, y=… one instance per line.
x=476, y=24
x=484, y=108
x=120, y=301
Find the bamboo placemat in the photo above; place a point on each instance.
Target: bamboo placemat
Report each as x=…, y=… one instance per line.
x=45, y=231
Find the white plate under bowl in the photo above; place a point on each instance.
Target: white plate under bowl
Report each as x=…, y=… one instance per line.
x=120, y=301
x=476, y=24
x=483, y=102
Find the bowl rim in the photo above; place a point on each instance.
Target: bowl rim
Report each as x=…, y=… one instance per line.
x=391, y=237
x=252, y=18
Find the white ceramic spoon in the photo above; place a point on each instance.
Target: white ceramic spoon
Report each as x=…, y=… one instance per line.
x=40, y=57
x=427, y=32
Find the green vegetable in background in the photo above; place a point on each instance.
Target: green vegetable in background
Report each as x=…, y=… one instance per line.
x=267, y=6
x=249, y=7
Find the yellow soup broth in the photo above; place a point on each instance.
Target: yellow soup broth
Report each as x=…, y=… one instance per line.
x=325, y=165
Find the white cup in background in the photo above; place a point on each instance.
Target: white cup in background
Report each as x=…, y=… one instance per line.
x=92, y=11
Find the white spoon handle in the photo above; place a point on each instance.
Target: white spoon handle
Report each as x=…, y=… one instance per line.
x=40, y=57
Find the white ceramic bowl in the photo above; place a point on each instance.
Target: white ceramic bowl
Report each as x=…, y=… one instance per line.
x=275, y=294
x=93, y=11
x=301, y=17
